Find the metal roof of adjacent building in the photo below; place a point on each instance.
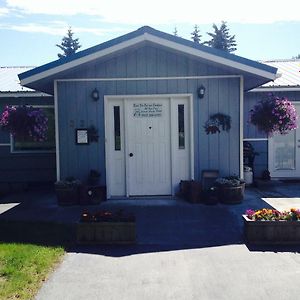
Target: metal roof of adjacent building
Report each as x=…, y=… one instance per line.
x=289, y=70
x=9, y=80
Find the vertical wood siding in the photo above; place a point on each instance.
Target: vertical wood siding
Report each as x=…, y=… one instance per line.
x=77, y=109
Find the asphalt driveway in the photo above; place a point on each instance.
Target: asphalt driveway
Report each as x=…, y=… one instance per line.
x=183, y=251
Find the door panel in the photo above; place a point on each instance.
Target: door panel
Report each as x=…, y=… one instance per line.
x=149, y=167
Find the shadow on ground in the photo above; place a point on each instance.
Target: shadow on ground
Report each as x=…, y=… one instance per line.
x=162, y=224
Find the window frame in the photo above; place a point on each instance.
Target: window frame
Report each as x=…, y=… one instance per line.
x=12, y=141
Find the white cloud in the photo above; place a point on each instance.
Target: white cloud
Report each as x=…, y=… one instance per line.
x=4, y=11
x=57, y=28
x=167, y=11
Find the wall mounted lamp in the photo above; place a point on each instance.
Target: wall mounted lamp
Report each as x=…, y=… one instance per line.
x=95, y=95
x=201, y=91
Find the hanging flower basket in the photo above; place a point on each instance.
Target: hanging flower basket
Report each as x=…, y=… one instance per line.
x=25, y=122
x=216, y=123
x=274, y=115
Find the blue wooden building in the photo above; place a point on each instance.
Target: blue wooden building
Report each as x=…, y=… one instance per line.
x=140, y=94
x=25, y=162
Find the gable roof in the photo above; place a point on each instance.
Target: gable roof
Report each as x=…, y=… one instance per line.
x=147, y=33
x=289, y=69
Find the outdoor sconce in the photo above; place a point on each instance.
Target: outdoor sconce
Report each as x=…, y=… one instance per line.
x=95, y=95
x=201, y=91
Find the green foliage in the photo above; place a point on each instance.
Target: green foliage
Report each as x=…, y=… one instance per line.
x=297, y=57
x=221, y=39
x=23, y=268
x=196, y=36
x=175, y=32
x=68, y=45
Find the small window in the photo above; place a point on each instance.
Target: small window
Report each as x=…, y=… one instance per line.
x=117, y=131
x=181, y=137
x=29, y=145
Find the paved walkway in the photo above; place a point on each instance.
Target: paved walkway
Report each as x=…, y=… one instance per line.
x=184, y=251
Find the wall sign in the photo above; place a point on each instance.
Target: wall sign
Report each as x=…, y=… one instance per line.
x=146, y=110
x=82, y=137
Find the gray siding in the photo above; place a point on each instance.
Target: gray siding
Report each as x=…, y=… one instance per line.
x=251, y=98
x=25, y=167
x=77, y=109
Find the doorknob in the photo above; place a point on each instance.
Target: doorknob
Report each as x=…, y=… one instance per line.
x=130, y=154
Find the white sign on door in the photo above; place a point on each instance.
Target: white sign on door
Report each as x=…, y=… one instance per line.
x=147, y=110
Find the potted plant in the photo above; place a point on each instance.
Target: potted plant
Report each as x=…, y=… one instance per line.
x=231, y=189
x=94, y=177
x=270, y=226
x=274, y=115
x=25, y=121
x=67, y=191
x=106, y=227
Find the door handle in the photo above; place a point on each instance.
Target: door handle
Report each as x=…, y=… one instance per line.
x=130, y=154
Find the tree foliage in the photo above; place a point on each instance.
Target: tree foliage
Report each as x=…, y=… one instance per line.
x=221, y=39
x=175, y=32
x=68, y=45
x=196, y=36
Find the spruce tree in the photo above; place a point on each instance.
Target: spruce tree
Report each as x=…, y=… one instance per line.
x=175, y=32
x=68, y=45
x=221, y=39
x=196, y=36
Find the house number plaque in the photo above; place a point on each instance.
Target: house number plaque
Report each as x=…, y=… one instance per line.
x=146, y=110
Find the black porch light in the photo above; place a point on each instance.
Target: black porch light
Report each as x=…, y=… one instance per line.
x=95, y=94
x=201, y=91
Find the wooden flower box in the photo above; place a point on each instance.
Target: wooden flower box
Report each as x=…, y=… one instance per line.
x=271, y=232
x=106, y=233
x=67, y=194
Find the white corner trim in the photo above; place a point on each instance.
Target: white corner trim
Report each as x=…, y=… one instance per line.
x=154, y=39
x=241, y=127
x=56, y=132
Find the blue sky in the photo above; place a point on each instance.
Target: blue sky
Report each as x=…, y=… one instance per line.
x=30, y=29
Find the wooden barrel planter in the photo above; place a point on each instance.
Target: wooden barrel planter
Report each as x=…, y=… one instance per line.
x=67, y=194
x=231, y=194
x=271, y=232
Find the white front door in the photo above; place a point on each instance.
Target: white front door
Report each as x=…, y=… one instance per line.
x=149, y=146
x=284, y=153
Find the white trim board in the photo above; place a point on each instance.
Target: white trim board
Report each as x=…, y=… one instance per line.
x=154, y=39
x=275, y=89
x=22, y=94
x=149, y=78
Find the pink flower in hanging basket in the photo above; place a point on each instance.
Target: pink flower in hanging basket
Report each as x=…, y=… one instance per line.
x=25, y=121
x=274, y=115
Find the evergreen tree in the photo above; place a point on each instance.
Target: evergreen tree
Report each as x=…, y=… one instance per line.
x=297, y=57
x=220, y=38
x=196, y=36
x=175, y=32
x=68, y=45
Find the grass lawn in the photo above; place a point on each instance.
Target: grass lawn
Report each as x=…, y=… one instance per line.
x=24, y=267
